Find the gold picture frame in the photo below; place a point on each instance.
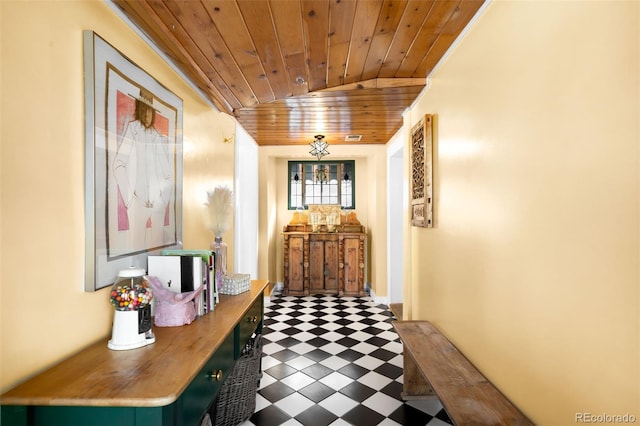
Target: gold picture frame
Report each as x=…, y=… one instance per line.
x=422, y=173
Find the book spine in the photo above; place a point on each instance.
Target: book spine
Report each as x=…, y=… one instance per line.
x=186, y=274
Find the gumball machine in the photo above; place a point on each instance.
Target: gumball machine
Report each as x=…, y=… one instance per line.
x=131, y=297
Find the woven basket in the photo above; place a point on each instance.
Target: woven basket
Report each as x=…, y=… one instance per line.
x=236, y=400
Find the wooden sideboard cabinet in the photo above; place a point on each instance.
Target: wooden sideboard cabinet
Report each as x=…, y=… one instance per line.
x=172, y=382
x=323, y=262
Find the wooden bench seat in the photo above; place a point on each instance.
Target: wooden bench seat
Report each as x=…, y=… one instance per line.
x=434, y=367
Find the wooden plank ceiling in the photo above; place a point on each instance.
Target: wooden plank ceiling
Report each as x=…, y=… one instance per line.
x=291, y=69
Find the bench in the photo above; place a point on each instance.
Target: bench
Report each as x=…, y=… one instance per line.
x=433, y=367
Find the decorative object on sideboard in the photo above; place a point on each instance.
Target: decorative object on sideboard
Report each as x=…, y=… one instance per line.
x=300, y=217
x=235, y=284
x=174, y=308
x=332, y=220
x=219, y=209
x=324, y=218
x=131, y=298
x=315, y=218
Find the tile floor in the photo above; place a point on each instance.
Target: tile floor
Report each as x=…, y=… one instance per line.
x=334, y=361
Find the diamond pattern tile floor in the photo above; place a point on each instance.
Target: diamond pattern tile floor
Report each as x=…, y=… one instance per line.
x=332, y=361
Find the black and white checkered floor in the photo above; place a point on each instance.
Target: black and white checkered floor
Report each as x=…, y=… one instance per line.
x=334, y=361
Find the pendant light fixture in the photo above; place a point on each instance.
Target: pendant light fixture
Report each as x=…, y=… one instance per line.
x=319, y=147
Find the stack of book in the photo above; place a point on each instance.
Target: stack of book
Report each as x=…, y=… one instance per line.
x=183, y=271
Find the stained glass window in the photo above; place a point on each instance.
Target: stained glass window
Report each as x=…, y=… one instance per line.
x=321, y=182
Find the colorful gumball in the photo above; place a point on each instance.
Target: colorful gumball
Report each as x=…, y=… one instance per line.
x=128, y=298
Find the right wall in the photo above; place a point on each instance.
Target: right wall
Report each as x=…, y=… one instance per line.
x=533, y=267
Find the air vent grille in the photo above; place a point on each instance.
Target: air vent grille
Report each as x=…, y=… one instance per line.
x=352, y=138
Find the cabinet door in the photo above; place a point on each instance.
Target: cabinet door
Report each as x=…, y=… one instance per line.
x=323, y=264
x=196, y=399
x=353, y=266
x=249, y=324
x=331, y=261
x=294, y=265
x=316, y=266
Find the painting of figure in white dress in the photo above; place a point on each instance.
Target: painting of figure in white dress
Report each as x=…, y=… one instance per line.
x=134, y=164
x=143, y=170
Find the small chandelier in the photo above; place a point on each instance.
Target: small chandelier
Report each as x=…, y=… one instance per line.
x=319, y=147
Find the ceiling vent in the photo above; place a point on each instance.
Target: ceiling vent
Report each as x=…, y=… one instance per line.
x=352, y=138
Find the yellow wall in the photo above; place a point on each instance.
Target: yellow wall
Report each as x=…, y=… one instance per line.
x=45, y=313
x=532, y=269
x=370, y=206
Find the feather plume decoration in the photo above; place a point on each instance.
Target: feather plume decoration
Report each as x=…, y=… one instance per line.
x=219, y=209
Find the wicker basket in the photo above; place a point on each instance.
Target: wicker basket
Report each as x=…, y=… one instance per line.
x=236, y=400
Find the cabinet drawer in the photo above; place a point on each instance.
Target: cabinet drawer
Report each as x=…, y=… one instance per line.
x=200, y=393
x=15, y=415
x=248, y=325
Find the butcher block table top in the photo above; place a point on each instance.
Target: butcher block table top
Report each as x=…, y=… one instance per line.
x=152, y=376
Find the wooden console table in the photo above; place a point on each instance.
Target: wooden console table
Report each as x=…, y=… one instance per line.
x=170, y=382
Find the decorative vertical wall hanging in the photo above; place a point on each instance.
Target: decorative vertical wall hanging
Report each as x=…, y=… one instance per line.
x=422, y=173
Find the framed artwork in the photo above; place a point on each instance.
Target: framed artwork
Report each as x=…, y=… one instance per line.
x=422, y=173
x=133, y=164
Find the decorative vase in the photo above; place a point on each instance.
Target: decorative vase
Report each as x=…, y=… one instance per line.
x=315, y=218
x=332, y=219
x=220, y=248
